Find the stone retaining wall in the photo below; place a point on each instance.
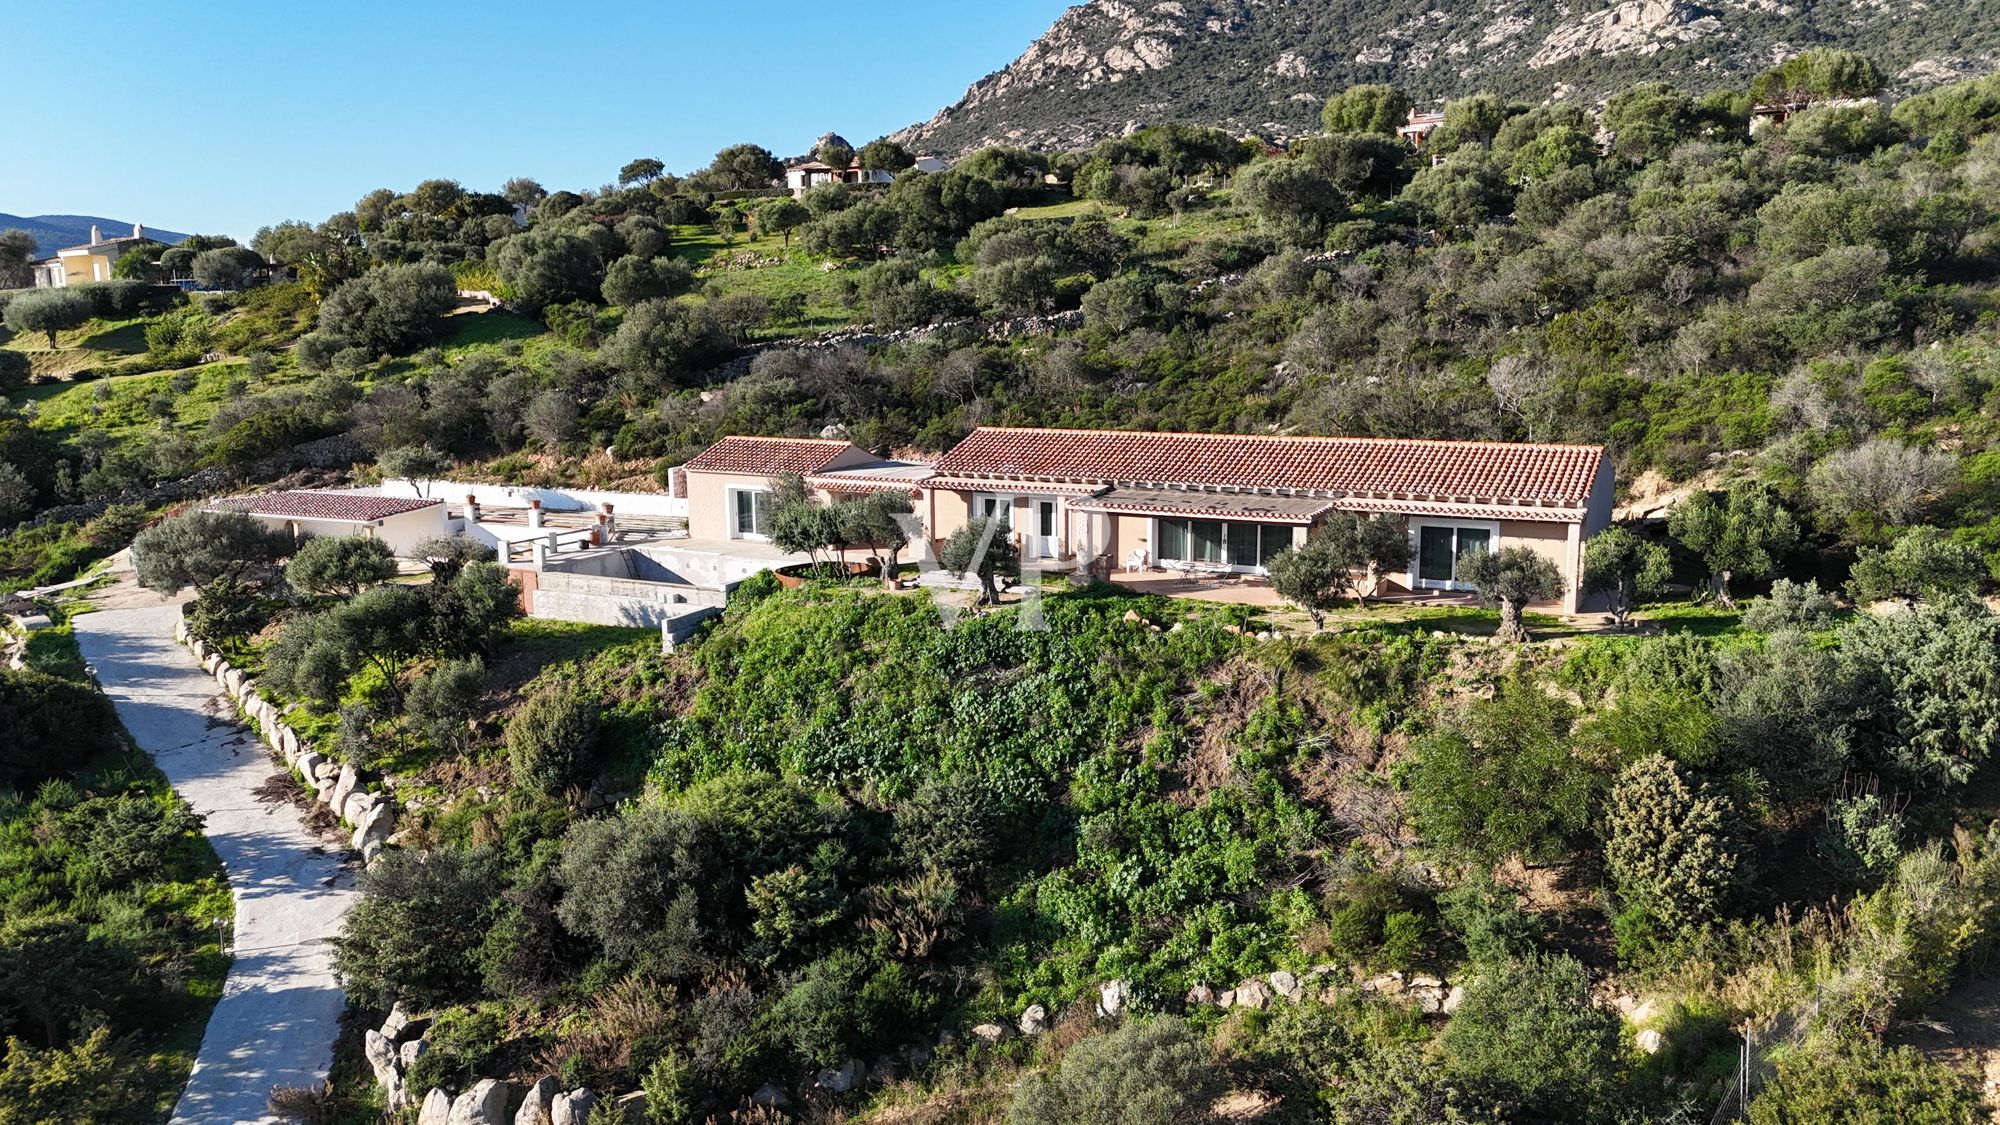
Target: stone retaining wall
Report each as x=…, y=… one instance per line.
x=370, y=816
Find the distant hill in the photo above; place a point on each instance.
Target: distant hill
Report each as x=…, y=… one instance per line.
x=1266, y=66
x=54, y=232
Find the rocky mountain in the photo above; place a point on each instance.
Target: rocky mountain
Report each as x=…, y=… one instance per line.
x=1266, y=66
x=54, y=232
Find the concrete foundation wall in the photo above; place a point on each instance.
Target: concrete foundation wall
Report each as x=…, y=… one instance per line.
x=598, y=600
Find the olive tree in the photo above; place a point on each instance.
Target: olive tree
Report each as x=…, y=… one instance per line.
x=1744, y=532
x=1509, y=579
x=201, y=547
x=229, y=267
x=339, y=565
x=1341, y=555
x=392, y=310
x=986, y=547
x=418, y=464
x=48, y=311
x=1923, y=564
x=1624, y=568
x=1370, y=108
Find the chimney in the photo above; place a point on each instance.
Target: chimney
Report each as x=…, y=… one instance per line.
x=610, y=520
x=534, y=513
x=96, y=236
x=601, y=534
x=471, y=508
x=138, y=230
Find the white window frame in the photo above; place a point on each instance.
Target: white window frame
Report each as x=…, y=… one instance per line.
x=1004, y=507
x=1415, y=531
x=1160, y=559
x=735, y=522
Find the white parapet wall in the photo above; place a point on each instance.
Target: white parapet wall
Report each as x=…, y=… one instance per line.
x=504, y=496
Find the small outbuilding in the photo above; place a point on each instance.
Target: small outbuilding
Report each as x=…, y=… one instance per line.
x=402, y=523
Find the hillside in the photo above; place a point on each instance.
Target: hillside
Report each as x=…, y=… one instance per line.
x=54, y=232
x=1266, y=66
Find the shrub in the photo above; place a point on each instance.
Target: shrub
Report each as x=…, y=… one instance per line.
x=1487, y=920
x=1862, y=837
x=442, y=704
x=339, y=565
x=390, y=311
x=632, y=884
x=406, y=938
x=52, y=726
x=1927, y=689
x=1528, y=1034
x=1147, y=1072
x=1465, y=780
x=1800, y=606
x=1667, y=846
x=1851, y=1078
x=550, y=740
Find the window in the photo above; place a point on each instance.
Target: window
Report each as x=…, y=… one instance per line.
x=995, y=507
x=753, y=512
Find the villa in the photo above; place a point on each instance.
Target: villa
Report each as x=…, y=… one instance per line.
x=1212, y=504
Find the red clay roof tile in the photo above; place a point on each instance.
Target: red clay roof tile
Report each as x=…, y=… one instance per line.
x=348, y=506
x=1524, y=473
x=767, y=456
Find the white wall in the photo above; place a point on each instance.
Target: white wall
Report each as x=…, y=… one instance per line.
x=553, y=499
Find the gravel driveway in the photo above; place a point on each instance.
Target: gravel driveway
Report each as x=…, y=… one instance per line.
x=280, y=1008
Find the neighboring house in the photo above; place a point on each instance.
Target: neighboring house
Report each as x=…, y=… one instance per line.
x=400, y=522
x=90, y=262
x=1228, y=502
x=1419, y=128
x=729, y=484
x=801, y=178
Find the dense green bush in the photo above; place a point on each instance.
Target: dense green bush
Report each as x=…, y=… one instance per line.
x=49, y=727
x=1145, y=1072
x=551, y=740
x=407, y=939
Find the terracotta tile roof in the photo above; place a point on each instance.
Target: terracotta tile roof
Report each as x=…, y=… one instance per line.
x=1341, y=466
x=768, y=456
x=348, y=506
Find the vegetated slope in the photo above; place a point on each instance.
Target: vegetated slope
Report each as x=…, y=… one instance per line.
x=1267, y=65
x=54, y=232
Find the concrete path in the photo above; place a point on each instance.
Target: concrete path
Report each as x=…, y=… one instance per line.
x=280, y=1008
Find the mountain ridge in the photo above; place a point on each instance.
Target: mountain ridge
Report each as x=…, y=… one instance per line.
x=1266, y=66
x=57, y=232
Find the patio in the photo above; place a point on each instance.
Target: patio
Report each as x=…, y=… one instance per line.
x=1250, y=590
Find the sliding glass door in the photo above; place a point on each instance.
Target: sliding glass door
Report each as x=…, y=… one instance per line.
x=1237, y=545
x=1439, y=549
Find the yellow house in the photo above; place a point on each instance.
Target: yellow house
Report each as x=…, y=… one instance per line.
x=90, y=262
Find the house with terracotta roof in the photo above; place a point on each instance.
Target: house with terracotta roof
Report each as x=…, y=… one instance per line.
x=1225, y=503
x=730, y=484
x=401, y=522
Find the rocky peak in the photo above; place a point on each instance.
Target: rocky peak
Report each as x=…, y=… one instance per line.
x=1265, y=66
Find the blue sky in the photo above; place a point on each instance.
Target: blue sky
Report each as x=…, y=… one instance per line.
x=220, y=116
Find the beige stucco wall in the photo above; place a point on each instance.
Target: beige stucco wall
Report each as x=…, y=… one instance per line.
x=708, y=501
x=403, y=533
x=1551, y=540
x=708, y=493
